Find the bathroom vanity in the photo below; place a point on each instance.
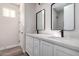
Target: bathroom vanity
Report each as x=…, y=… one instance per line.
x=46, y=45
x=62, y=18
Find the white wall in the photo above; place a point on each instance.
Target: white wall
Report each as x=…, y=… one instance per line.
x=47, y=14
x=47, y=7
x=22, y=26
x=30, y=17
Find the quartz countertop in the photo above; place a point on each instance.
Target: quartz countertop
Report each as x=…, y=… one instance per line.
x=70, y=43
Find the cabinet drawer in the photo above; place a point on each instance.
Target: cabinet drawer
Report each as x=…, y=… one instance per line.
x=46, y=49
x=36, y=42
x=61, y=51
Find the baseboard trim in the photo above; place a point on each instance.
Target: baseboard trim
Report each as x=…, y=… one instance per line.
x=10, y=46
x=27, y=54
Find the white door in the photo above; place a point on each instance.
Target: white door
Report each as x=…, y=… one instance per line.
x=9, y=35
x=46, y=49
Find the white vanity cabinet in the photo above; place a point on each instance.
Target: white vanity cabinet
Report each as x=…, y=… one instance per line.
x=46, y=49
x=36, y=47
x=29, y=45
x=61, y=51
x=40, y=47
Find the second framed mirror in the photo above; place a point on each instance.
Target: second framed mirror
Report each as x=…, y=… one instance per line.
x=63, y=16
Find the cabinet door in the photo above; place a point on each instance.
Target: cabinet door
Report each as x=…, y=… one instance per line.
x=46, y=49
x=29, y=45
x=61, y=51
x=36, y=47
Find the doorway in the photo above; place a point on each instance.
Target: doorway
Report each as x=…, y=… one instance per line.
x=9, y=25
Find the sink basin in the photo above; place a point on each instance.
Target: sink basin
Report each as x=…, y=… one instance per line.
x=44, y=35
x=48, y=36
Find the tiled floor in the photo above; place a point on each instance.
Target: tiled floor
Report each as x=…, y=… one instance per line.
x=16, y=51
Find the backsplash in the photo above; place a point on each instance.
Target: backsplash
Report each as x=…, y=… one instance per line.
x=55, y=33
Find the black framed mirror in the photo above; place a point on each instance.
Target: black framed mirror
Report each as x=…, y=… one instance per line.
x=40, y=20
x=63, y=16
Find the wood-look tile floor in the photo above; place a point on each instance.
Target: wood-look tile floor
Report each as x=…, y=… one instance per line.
x=16, y=51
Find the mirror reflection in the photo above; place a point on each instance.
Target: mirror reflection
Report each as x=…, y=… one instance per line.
x=63, y=16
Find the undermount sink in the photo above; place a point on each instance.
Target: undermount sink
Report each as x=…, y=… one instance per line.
x=54, y=37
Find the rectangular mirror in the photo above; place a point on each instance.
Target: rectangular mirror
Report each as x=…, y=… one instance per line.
x=62, y=16
x=69, y=17
x=40, y=20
